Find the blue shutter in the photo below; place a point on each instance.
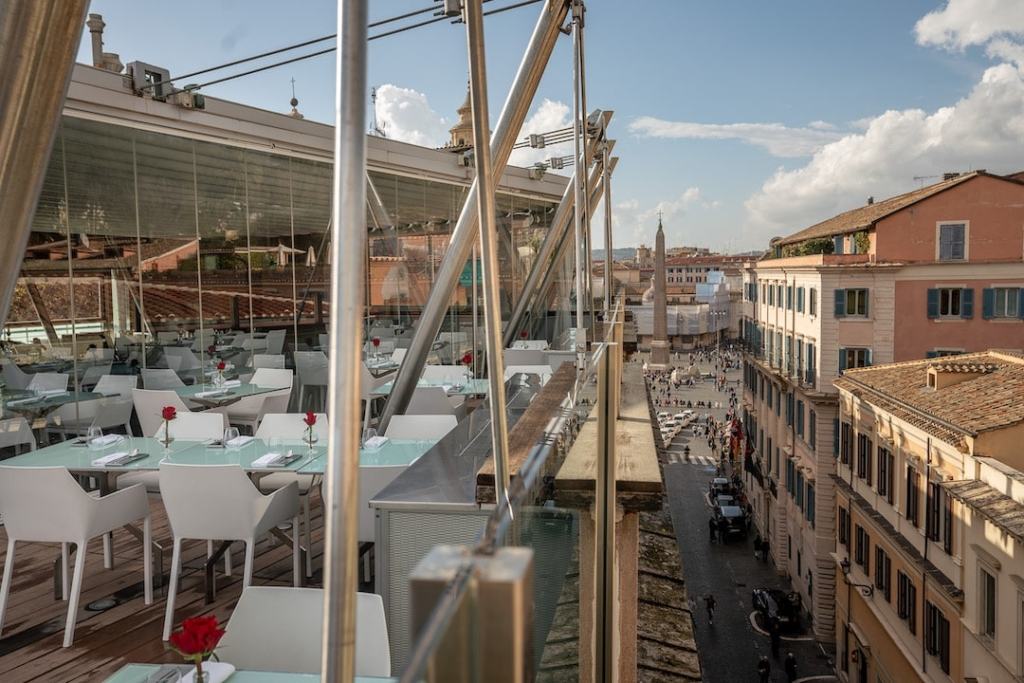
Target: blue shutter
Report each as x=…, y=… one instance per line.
x=932, y=354
x=867, y=299
x=967, y=303
x=841, y=303
x=1020, y=303
x=988, y=303
x=867, y=357
x=837, y=244
x=842, y=360
x=835, y=437
x=933, y=303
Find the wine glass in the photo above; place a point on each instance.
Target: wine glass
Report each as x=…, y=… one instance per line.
x=376, y=346
x=91, y=435
x=230, y=434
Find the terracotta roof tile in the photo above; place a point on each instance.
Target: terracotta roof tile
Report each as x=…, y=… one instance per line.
x=998, y=508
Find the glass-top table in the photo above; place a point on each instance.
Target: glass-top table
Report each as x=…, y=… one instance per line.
x=139, y=673
x=213, y=397
x=473, y=387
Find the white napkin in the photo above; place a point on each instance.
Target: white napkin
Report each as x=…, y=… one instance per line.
x=238, y=441
x=105, y=460
x=231, y=383
x=23, y=401
x=105, y=440
x=447, y=387
x=375, y=442
x=211, y=392
x=53, y=392
x=218, y=672
x=271, y=459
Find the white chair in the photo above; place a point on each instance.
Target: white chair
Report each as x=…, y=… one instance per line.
x=185, y=355
x=445, y=373
x=194, y=426
x=250, y=410
x=156, y=378
x=291, y=426
x=48, y=381
x=105, y=413
x=266, y=360
x=525, y=357
x=398, y=355
x=220, y=503
x=15, y=377
x=535, y=344
x=254, y=345
x=544, y=371
x=16, y=432
x=323, y=340
x=311, y=368
x=420, y=427
x=98, y=355
x=167, y=337
x=116, y=385
x=93, y=374
x=203, y=340
x=278, y=629
x=148, y=407
x=46, y=504
x=275, y=342
x=429, y=401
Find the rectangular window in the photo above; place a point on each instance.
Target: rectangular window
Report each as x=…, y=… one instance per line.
x=906, y=600
x=854, y=358
x=851, y=302
x=812, y=430
x=1002, y=302
x=883, y=573
x=933, y=510
x=809, y=511
x=844, y=528
x=799, y=490
x=936, y=634
x=778, y=295
x=789, y=297
x=864, y=458
x=812, y=306
x=987, y=603
x=912, y=503
x=800, y=299
x=800, y=419
x=862, y=548
x=951, y=242
x=837, y=244
x=949, y=302
x=845, y=443
x=885, y=473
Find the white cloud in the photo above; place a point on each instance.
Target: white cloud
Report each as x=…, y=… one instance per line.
x=778, y=139
x=985, y=129
x=635, y=225
x=970, y=22
x=549, y=116
x=407, y=116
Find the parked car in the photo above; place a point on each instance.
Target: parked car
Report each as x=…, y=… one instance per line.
x=725, y=499
x=735, y=519
x=773, y=603
x=720, y=485
x=664, y=416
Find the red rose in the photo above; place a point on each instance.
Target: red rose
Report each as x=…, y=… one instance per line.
x=221, y=365
x=198, y=637
x=169, y=412
x=467, y=359
x=310, y=418
x=211, y=349
x=522, y=335
x=376, y=341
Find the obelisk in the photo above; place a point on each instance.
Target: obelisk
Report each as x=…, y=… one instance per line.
x=659, y=344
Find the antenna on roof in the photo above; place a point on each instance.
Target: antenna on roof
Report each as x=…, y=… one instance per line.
x=376, y=129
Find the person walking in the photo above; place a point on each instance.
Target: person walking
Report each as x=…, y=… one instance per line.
x=790, y=667
x=764, y=550
x=709, y=605
x=775, y=633
x=764, y=669
x=712, y=527
x=757, y=545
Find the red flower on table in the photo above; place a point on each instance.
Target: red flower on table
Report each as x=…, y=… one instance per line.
x=522, y=335
x=221, y=365
x=211, y=349
x=376, y=342
x=310, y=418
x=467, y=359
x=197, y=639
x=169, y=412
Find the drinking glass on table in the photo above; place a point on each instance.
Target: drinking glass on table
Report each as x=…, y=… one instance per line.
x=230, y=434
x=91, y=435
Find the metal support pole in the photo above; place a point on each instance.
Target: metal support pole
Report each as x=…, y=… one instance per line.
x=38, y=43
x=579, y=11
x=566, y=242
x=348, y=251
x=543, y=262
x=604, y=518
x=579, y=239
x=473, y=15
x=535, y=60
x=609, y=267
x=476, y=318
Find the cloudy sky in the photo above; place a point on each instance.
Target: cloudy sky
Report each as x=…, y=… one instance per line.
x=737, y=120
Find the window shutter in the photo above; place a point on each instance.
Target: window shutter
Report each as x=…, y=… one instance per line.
x=1020, y=303
x=841, y=303
x=967, y=303
x=867, y=299
x=932, y=354
x=835, y=437
x=933, y=303
x=842, y=360
x=867, y=357
x=988, y=303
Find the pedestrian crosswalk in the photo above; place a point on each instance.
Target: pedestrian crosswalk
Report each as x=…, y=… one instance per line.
x=677, y=457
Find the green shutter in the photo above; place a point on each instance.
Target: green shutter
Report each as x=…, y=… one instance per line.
x=835, y=437
x=988, y=303
x=1020, y=303
x=933, y=303
x=867, y=299
x=841, y=303
x=842, y=360
x=967, y=303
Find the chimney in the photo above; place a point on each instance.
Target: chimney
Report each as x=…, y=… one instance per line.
x=871, y=200
x=96, y=24
x=950, y=175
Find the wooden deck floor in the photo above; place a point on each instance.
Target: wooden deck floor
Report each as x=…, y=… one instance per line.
x=124, y=629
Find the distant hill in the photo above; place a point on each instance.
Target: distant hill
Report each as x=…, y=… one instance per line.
x=619, y=254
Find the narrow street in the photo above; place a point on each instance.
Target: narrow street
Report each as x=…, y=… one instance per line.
x=730, y=647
